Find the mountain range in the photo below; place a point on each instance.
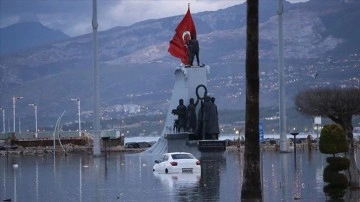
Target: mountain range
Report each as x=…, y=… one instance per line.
x=320, y=38
x=27, y=35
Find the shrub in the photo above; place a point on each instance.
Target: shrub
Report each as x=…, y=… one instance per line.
x=333, y=141
x=338, y=163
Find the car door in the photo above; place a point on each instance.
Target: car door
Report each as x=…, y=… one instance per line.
x=163, y=163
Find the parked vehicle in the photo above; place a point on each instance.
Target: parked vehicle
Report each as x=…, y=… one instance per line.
x=137, y=145
x=177, y=162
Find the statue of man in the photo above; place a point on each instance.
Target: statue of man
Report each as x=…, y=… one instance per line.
x=191, y=116
x=210, y=118
x=193, y=50
x=180, y=111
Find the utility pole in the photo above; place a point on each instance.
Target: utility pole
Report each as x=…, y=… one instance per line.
x=96, y=122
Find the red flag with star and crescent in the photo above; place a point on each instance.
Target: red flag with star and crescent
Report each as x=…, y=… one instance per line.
x=183, y=33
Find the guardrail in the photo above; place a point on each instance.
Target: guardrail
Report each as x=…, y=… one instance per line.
x=63, y=134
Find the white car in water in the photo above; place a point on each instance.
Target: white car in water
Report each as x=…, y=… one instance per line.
x=177, y=162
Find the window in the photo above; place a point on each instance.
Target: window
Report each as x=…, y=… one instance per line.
x=165, y=158
x=182, y=156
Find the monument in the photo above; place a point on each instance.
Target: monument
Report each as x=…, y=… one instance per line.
x=190, y=83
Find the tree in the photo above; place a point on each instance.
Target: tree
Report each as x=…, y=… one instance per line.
x=338, y=104
x=251, y=186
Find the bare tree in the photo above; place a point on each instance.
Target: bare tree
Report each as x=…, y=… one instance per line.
x=251, y=186
x=338, y=104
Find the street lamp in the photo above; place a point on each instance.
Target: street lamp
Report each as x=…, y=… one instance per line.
x=3, y=118
x=36, y=125
x=294, y=134
x=14, y=107
x=317, y=122
x=78, y=104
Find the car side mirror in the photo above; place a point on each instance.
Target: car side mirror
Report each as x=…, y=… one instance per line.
x=157, y=161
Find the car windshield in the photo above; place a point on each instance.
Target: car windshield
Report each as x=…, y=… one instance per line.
x=182, y=156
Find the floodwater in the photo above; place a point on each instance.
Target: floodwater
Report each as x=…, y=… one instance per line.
x=129, y=177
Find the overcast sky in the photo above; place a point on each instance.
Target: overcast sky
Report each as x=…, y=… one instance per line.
x=73, y=17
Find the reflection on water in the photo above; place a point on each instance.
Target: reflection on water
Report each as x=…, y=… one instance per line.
x=210, y=176
x=183, y=187
x=171, y=181
x=129, y=177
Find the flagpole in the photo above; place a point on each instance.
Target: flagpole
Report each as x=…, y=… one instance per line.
x=282, y=104
x=183, y=32
x=96, y=121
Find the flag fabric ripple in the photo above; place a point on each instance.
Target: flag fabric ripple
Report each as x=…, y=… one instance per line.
x=183, y=33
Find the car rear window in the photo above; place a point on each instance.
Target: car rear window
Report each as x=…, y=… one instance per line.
x=182, y=156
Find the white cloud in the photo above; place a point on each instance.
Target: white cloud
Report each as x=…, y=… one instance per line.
x=74, y=17
x=128, y=12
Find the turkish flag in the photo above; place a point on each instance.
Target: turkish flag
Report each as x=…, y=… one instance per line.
x=184, y=32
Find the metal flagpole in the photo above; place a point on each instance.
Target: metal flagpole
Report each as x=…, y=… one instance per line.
x=282, y=104
x=14, y=108
x=96, y=124
x=3, y=118
x=78, y=105
x=79, y=114
x=36, y=128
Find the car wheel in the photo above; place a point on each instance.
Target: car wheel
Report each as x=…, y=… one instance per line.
x=166, y=171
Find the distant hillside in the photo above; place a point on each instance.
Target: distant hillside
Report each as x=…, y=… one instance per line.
x=320, y=37
x=27, y=35
x=345, y=25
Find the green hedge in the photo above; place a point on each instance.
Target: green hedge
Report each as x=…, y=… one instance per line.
x=333, y=140
x=338, y=163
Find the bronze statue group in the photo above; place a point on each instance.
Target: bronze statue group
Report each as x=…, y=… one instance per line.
x=204, y=124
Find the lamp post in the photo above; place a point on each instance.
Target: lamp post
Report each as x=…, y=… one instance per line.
x=294, y=134
x=14, y=107
x=3, y=118
x=36, y=125
x=317, y=122
x=78, y=104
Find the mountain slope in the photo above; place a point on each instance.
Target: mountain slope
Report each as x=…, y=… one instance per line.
x=27, y=35
x=136, y=68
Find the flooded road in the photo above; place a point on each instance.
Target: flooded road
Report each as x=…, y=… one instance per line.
x=129, y=177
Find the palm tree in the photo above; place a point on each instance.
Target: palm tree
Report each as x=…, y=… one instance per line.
x=251, y=186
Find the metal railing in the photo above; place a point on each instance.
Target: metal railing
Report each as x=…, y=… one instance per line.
x=63, y=134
